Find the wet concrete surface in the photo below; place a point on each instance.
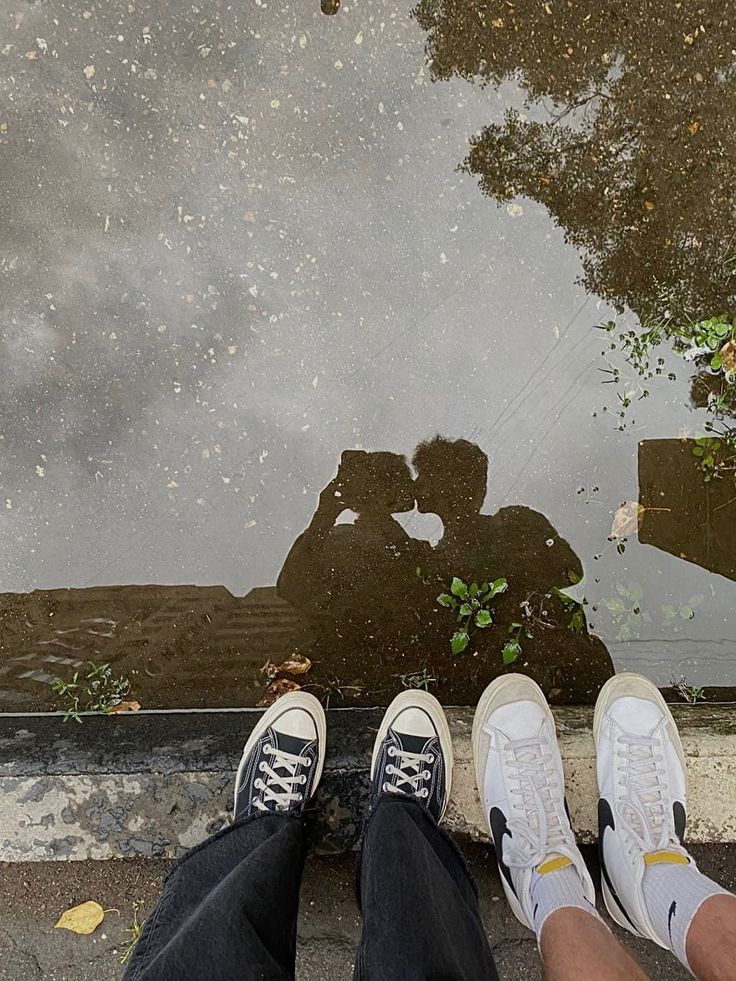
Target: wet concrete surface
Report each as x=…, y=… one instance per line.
x=239, y=242
x=329, y=926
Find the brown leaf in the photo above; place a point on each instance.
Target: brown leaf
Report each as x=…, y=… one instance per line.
x=728, y=356
x=296, y=664
x=694, y=127
x=276, y=689
x=129, y=706
x=627, y=520
x=31, y=55
x=649, y=205
x=83, y=919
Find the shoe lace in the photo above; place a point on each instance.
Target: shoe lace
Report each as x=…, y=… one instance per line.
x=645, y=811
x=532, y=779
x=279, y=788
x=409, y=771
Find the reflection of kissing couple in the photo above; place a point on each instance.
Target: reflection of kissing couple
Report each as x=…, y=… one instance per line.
x=366, y=591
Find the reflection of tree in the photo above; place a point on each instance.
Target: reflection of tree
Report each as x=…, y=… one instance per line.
x=643, y=178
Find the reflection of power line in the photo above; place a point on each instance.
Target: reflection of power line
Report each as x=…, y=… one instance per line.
x=500, y=422
x=574, y=388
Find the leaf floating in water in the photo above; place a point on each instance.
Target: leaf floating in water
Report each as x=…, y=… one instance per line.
x=276, y=689
x=627, y=520
x=83, y=919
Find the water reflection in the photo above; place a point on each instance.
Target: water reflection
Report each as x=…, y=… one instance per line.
x=367, y=592
x=636, y=160
x=359, y=600
x=683, y=514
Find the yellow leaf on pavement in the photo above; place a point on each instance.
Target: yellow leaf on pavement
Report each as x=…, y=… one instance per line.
x=83, y=919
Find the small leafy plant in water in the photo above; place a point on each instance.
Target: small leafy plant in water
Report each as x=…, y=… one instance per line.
x=689, y=693
x=97, y=691
x=716, y=454
x=710, y=345
x=628, y=611
x=472, y=605
x=574, y=607
x=512, y=648
x=417, y=679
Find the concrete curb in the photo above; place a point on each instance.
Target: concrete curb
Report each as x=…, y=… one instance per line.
x=155, y=784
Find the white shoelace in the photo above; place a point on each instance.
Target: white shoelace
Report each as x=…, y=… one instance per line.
x=544, y=831
x=277, y=787
x=409, y=772
x=646, y=811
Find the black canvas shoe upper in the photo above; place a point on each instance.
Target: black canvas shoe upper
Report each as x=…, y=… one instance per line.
x=412, y=766
x=277, y=775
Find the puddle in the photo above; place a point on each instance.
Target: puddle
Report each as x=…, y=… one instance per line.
x=305, y=317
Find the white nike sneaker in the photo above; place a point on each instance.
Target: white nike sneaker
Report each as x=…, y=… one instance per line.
x=522, y=787
x=642, y=788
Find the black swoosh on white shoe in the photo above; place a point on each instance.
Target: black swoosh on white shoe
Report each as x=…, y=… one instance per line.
x=499, y=828
x=606, y=820
x=670, y=917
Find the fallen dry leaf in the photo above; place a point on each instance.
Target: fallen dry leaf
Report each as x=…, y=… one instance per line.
x=694, y=127
x=89, y=71
x=83, y=919
x=649, y=205
x=31, y=55
x=728, y=356
x=296, y=664
x=627, y=520
x=130, y=706
x=276, y=689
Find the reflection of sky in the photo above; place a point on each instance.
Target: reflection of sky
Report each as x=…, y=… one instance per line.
x=216, y=288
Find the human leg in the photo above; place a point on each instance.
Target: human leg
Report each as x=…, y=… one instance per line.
x=228, y=910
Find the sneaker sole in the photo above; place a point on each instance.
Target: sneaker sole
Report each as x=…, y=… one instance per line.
x=481, y=714
x=625, y=678
x=292, y=700
x=426, y=701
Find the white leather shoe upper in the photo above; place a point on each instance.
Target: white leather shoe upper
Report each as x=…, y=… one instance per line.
x=642, y=788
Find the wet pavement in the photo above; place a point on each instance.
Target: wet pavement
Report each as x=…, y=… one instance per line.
x=329, y=920
x=241, y=243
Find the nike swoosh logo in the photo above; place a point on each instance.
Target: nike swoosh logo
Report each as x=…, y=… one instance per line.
x=680, y=817
x=673, y=910
x=605, y=820
x=499, y=828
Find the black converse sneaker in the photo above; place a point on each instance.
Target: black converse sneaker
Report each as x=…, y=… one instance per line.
x=283, y=758
x=412, y=754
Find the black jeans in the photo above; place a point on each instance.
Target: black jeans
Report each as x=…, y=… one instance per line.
x=228, y=911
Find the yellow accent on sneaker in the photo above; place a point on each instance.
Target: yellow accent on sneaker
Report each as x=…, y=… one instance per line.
x=561, y=862
x=670, y=858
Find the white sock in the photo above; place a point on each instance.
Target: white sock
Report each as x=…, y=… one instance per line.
x=673, y=894
x=555, y=890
